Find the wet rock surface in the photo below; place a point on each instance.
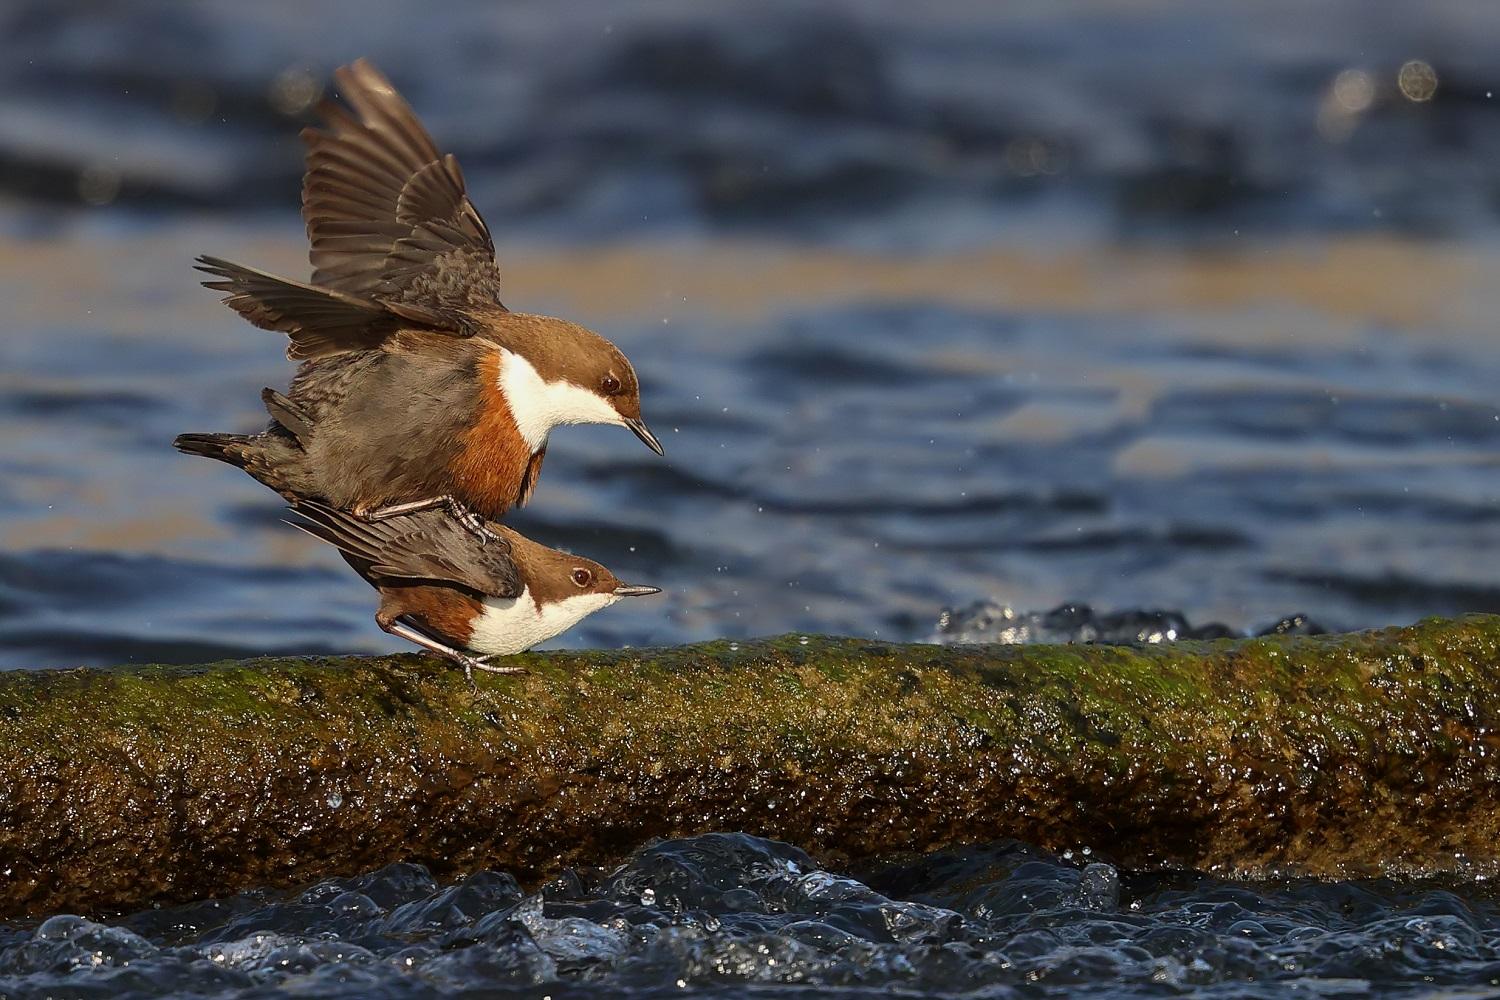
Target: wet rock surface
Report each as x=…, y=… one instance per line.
x=734, y=915
x=1319, y=754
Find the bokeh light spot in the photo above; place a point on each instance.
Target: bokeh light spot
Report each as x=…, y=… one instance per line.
x=294, y=90
x=1417, y=80
x=98, y=183
x=1354, y=90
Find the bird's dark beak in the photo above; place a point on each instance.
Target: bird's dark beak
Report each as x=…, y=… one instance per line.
x=643, y=432
x=629, y=590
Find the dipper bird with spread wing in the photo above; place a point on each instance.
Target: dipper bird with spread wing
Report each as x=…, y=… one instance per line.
x=426, y=390
x=452, y=594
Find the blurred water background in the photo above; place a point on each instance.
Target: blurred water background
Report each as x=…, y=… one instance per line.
x=1155, y=305
x=1144, y=306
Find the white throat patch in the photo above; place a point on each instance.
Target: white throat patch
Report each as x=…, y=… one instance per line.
x=539, y=406
x=513, y=624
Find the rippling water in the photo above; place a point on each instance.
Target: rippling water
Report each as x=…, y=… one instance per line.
x=986, y=305
x=733, y=915
x=1166, y=309
x=1180, y=313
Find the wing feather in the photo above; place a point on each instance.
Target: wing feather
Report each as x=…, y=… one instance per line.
x=318, y=321
x=387, y=213
x=289, y=415
x=428, y=546
x=394, y=239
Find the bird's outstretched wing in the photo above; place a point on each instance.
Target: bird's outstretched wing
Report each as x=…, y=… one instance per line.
x=387, y=214
x=317, y=321
x=425, y=547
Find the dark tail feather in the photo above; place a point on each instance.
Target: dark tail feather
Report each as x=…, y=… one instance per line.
x=224, y=447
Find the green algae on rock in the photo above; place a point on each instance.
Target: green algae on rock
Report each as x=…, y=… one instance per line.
x=1327, y=755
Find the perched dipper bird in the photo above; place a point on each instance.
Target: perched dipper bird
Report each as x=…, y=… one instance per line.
x=426, y=390
x=450, y=593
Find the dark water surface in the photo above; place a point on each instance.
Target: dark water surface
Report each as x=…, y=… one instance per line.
x=1146, y=306
x=1161, y=308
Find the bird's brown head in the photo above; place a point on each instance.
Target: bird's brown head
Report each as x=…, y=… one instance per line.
x=554, y=577
x=554, y=372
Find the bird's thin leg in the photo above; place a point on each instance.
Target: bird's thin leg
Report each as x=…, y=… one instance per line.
x=427, y=642
x=448, y=502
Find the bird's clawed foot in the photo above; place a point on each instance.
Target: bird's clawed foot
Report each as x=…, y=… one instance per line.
x=473, y=663
x=463, y=515
x=483, y=663
x=470, y=520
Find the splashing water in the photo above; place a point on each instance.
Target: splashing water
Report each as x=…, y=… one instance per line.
x=729, y=911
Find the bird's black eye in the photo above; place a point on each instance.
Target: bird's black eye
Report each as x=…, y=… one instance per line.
x=611, y=385
x=582, y=577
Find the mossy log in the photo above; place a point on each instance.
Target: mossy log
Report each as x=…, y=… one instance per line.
x=1333, y=755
